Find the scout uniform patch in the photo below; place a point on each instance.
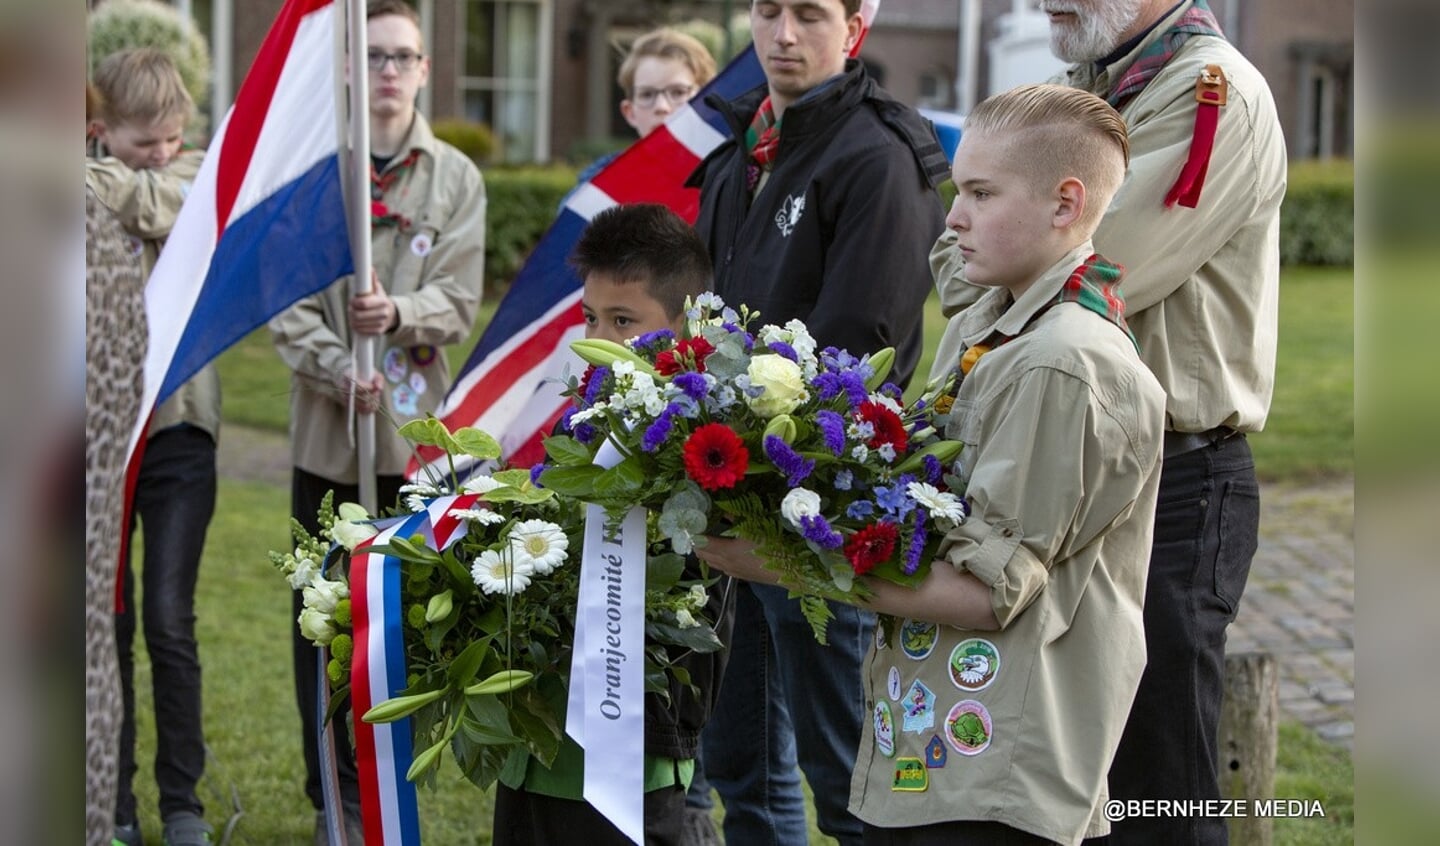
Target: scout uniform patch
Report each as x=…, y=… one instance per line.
x=884, y=729
x=910, y=775
x=968, y=728
x=892, y=684
x=918, y=708
x=394, y=366
x=918, y=638
x=936, y=753
x=974, y=664
x=422, y=355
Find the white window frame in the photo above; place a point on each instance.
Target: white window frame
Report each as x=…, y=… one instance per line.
x=541, y=85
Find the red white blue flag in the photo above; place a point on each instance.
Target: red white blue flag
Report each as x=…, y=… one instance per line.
x=504, y=387
x=264, y=223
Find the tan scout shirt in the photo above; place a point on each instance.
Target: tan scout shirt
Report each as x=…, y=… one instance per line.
x=1062, y=433
x=433, y=269
x=1201, y=285
x=146, y=202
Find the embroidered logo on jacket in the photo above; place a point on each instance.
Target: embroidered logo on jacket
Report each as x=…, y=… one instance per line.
x=789, y=214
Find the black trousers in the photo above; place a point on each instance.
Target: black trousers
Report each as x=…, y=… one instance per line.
x=306, y=491
x=174, y=501
x=523, y=818
x=1207, y=524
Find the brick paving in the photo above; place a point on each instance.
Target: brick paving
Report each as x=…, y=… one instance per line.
x=1300, y=603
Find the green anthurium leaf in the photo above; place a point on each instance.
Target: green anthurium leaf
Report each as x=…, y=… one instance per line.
x=429, y=432
x=476, y=443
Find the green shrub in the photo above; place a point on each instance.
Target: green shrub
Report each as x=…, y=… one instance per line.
x=523, y=202
x=1317, y=218
x=126, y=24
x=472, y=138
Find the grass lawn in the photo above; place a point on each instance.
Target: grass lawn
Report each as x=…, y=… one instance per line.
x=244, y=620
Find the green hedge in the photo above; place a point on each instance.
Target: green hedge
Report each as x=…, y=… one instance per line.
x=523, y=202
x=1317, y=219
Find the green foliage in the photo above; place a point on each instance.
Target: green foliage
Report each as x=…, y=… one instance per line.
x=472, y=138
x=1317, y=217
x=1307, y=768
x=126, y=24
x=523, y=204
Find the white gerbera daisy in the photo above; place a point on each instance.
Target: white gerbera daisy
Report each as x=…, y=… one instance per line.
x=415, y=503
x=942, y=505
x=482, y=516
x=539, y=544
x=496, y=572
x=481, y=484
x=420, y=488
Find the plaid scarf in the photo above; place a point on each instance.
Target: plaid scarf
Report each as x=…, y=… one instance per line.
x=1197, y=20
x=1094, y=285
x=762, y=141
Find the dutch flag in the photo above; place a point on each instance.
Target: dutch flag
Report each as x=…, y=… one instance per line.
x=264, y=223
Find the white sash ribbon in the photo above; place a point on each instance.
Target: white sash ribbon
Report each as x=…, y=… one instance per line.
x=606, y=709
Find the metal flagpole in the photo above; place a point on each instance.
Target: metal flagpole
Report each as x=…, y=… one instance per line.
x=357, y=205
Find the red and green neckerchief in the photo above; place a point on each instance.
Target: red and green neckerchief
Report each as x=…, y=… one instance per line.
x=380, y=184
x=762, y=141
x=1093, y=285
x=1210, y=94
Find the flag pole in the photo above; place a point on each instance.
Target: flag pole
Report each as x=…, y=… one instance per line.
x=357, y=207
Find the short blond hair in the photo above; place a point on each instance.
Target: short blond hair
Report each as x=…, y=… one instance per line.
x=141, y=86
x=1054, y=133
x=667, y=43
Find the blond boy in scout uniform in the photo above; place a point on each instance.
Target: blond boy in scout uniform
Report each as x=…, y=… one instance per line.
x=998, y=706
x=428, y=244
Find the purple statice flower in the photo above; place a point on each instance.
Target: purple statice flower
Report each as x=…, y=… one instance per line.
x=692, y=384
x=860, y=509
x=785, y=350
x=832, y=429
x=854, y=385
x=597, y=381
x=891, y=390
x=917, y=544
x=659, y=430
x=817, y=530
x=827, y=386
x=931, y=465
x=795, y=466
x=535, y=471
x=651, y=343
x=563, y=424
x=844, y=480
x=585, y=433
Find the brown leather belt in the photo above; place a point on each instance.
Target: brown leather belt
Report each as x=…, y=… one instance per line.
x=1179, y=443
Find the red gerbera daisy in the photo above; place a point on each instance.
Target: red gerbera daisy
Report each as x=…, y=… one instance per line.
x=688, y=353
x=870, y=546
x=889, y=428
x=715, y=457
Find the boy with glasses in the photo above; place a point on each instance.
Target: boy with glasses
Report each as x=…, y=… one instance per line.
x=428, y=244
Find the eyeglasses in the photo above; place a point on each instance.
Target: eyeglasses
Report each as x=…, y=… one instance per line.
x=675, y=94
x=405, y=60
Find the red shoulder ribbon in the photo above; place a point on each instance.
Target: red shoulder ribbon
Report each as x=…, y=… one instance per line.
x=1211, y=90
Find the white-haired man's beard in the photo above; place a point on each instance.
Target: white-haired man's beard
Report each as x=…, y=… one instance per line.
x=1093, y=29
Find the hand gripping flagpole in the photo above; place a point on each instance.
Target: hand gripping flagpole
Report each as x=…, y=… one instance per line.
x=356, y=143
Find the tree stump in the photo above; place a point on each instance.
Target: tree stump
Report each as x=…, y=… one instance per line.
x=1249, y=722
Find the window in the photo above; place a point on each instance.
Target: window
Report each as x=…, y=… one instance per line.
x=505, y=73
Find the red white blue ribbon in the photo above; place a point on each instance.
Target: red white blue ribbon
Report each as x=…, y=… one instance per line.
x=384, y=751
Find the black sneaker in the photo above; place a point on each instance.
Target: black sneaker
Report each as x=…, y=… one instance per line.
x=186, y=829
x=128, y=835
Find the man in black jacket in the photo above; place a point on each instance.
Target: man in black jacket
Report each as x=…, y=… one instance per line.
x=822, y=208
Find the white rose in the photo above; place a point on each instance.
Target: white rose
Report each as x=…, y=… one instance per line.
x=316, y=627
x=800, y=502
x=684, y=619
x=323, y=595
x=783, y=382
x=350, y=534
